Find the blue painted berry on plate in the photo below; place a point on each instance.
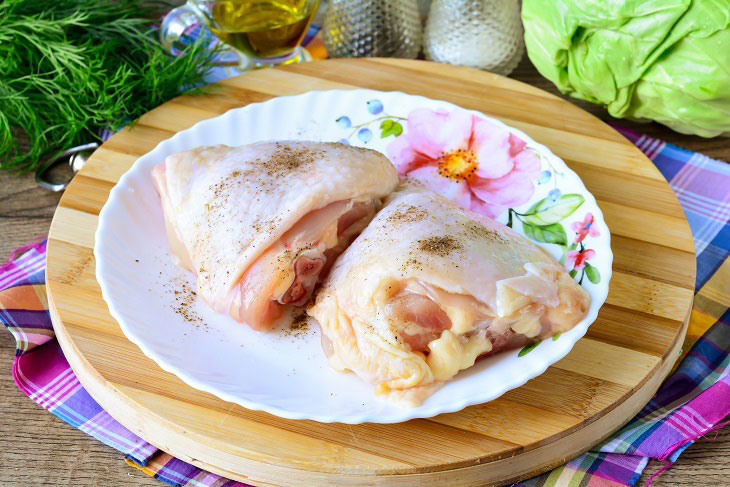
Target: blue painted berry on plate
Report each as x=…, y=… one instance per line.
x=544, y=177
x=375, y=106
x=344, y=141
x=554, y=194
x=343, y=122
x=365, y=135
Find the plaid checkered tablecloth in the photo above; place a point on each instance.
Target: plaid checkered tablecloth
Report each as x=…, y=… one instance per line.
x=694, y=400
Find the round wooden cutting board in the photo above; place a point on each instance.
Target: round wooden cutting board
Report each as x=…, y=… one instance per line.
x=601, y=384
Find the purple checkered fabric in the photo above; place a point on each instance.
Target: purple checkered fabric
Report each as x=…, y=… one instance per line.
x=693, y=401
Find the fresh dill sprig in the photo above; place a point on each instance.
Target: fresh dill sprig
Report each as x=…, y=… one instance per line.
x=71, y=67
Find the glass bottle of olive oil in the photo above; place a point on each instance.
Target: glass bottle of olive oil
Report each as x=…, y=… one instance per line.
x=262, y=28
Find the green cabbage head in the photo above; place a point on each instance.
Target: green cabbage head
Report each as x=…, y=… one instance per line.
x=664, y=60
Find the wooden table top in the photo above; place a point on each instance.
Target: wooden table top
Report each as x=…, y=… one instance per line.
x=36, y=448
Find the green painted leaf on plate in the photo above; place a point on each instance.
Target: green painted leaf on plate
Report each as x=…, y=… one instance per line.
x=554, y=234
x=592, y=274
x=528, y=348
x=547, y=211
x=389, y=127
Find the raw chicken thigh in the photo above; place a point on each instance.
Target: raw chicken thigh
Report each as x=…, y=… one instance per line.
x=429, y=287
x=260, y=225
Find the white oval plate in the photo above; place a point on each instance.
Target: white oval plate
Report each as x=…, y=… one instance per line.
x=285, y=373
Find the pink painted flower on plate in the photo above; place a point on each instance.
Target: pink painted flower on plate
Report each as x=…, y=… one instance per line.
x=585, y=228
x=467, y=159
x=577, y=259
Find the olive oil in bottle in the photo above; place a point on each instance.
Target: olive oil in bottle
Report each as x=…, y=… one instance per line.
x=262, y=28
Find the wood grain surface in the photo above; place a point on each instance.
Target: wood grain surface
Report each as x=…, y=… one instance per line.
x=30, y=456
x=581, y=399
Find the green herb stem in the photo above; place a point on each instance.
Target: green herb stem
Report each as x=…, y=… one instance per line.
x=69, y=68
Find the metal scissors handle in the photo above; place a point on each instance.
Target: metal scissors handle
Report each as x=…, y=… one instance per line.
x=76, y=158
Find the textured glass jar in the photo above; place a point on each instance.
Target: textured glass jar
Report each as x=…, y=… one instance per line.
x=484, y=34
x=368, y=28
